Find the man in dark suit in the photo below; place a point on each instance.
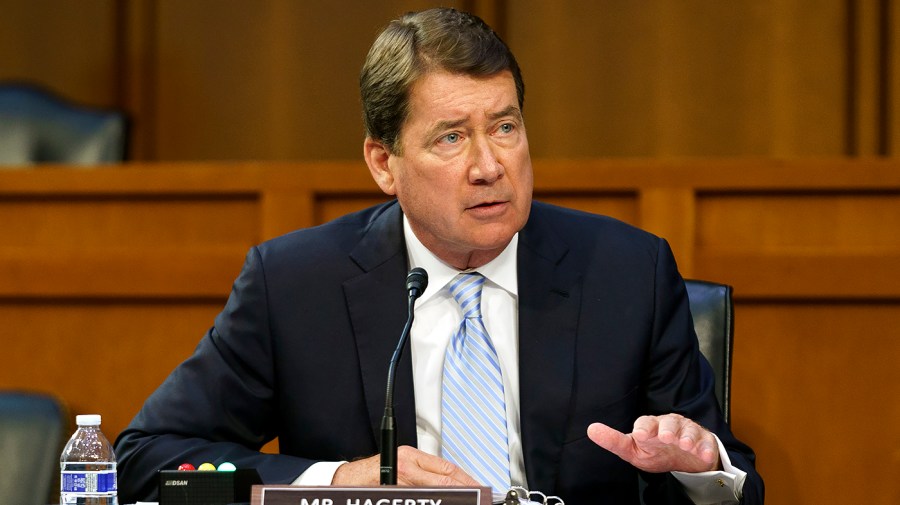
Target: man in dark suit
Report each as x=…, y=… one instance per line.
x=599, y=373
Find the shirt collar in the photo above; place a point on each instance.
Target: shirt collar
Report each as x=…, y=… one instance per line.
x=500, y=271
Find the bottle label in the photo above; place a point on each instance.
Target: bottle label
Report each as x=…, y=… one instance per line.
x=88, y=482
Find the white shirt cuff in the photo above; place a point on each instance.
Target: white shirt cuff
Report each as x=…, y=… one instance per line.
x=319, y=474
x=718, y=487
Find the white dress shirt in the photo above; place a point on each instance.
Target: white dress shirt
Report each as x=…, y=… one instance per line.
x=438, y=316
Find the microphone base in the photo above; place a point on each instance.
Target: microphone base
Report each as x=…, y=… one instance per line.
x=388, y=451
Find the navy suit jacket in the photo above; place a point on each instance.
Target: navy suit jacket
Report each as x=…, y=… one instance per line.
x=301, y=349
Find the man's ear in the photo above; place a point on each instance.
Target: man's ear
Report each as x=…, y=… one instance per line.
x=377, y=156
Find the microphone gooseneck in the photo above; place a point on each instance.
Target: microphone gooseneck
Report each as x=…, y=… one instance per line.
x=416, y=282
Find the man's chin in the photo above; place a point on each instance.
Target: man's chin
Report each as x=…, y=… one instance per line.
x=493, y=242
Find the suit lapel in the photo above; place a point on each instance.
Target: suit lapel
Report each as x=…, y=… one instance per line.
x=549, y=301
x=376, y=301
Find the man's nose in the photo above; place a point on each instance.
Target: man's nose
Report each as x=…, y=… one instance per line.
x=485, y=166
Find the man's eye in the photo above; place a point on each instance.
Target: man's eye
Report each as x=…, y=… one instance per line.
x=506, y=128
x=451, y=138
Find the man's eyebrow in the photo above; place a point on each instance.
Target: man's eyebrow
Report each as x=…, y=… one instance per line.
x=512, y=110
x=444, y=125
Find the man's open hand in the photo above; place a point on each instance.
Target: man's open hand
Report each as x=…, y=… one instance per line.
x=661, y=444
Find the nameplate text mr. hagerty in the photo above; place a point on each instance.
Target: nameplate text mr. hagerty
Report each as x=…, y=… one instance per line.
x=294, y=495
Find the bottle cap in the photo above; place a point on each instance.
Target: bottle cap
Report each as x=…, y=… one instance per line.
x=88, y=420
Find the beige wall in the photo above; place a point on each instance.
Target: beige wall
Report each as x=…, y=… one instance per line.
x=276, y=79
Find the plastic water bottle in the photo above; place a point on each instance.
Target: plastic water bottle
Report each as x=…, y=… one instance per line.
x=88, y=466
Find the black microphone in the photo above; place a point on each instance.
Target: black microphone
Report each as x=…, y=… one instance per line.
x=416, y=282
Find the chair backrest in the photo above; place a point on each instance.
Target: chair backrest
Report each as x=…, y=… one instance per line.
x=37, y=126
x=31, y=431
x=713, y=311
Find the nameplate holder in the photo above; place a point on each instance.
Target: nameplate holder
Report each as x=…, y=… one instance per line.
x=381, y=495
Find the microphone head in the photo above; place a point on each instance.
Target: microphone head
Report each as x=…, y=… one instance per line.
x=416, y=281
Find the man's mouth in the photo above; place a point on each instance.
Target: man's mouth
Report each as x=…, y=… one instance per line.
x=486, y=205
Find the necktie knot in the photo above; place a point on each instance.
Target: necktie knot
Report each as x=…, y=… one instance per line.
x=466, y=290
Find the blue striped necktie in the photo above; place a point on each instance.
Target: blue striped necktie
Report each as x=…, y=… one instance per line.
x=473, y=409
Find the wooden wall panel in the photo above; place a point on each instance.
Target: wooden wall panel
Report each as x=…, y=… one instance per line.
x=330, y=207
x=754, y=239
x=676, y=78
x=815, y=383
x=277, y=79
x=274, y=79
x=869, y=76
x=100, y=356
x=103, y=243
x=812, y=249
x=822, y=223
x=160, y=221
x=891, y=108
x=69, y=47
x=622, y=206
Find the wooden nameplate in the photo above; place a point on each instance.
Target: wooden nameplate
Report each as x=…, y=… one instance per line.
x=380, y=495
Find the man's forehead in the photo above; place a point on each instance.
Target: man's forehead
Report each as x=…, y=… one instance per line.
x=457, y=78
x=444, y=96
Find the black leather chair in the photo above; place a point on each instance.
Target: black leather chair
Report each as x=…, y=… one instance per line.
x=32, y=426
x=713, y=311
x=38, y=126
